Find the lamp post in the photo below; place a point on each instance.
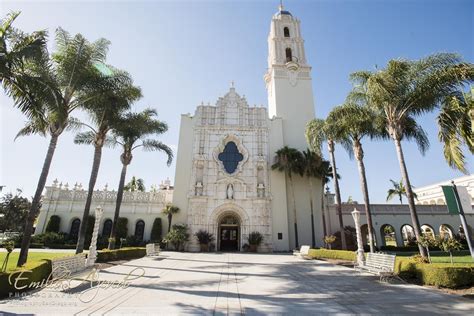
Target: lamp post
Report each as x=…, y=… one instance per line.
x=92, y=256
x=360, y=246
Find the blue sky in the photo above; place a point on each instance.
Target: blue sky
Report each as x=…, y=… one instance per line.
x=183, y=52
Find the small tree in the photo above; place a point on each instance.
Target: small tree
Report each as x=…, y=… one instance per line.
x=9, y=246
x=427, y=242
x=156, y=230
x=178, y=236
x=449, y=245
x=328, y=240
x=53, y=224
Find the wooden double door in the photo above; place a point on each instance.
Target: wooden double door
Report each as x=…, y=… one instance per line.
x=229, y=238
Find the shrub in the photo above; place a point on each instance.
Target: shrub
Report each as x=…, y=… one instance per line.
x=255, y=238
x=38, y=273
x=133, y=241
x=120, y=254
x=53, y=224
x=332, y=254
x=328, y=240
x=122, y=228
x=204, y=237
x=437, y=274
x=178, y=235
x=156, y=230
x=48, y=239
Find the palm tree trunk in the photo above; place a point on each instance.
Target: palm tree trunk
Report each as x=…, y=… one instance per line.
x=297, y=244
x=338, y=194
x=359, y=154
x=411, y=202
x=323, y=214
x=118, y=203
x=90, y=192
x=35, y=203
x=170, y=217
x=313, y=238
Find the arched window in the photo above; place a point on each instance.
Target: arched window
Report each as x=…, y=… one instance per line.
x=74, y=232
x=408, y=234
x=445, y=231
x=388, y=235
x=427, y=230
x=289, y=57
x=139, y=230
x=286, y=32
x=107, y=228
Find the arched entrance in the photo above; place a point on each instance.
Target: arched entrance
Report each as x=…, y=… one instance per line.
x=228, y=232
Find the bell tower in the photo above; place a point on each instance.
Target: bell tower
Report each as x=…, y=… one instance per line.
x=288, y=79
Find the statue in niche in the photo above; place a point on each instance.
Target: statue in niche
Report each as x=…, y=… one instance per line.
x=230, y=192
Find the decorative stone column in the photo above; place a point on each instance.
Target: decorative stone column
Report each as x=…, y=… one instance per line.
x=93, y=247
x=360, y=245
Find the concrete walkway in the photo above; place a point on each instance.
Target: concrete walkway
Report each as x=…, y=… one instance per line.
x=253, y=284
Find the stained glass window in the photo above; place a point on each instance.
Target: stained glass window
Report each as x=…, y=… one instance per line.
x=230, y=157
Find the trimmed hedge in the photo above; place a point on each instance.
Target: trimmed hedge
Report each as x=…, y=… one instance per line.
x=38, y=273
x=332, y=254
x=437, y=274
x=120, y=254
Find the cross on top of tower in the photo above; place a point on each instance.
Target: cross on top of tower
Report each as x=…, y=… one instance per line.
x=280, y=7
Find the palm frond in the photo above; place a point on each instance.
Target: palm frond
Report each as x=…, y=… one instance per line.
x=84, y=138
x=154, y=145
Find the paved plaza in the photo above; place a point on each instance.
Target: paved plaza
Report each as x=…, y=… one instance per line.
x=234, y=283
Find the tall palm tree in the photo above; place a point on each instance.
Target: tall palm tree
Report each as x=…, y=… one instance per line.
x=398, y=189
x=318, y=131
x=104, y=111
x=351, y=123
x=290, y=161
x=456, y=127
x=130, y=133
x=405, y=90
x=135, y=185
x=311, y=165
x=52, y=97
x=169, y=211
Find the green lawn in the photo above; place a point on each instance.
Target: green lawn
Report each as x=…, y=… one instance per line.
x=443, y=257
x=34, y=258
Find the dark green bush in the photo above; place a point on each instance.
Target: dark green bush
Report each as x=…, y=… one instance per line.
x=38, y=273
x=122, y=228
x=437, y=274
x=53, y=224
x=120, y=254
x=332, y=254
x=156, y=230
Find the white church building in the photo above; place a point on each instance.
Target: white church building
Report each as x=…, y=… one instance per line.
x=224, y=183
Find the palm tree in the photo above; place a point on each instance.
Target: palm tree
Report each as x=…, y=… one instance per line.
x=398, y=189
x=311, y=165
x=133, y=128
x=169, y=211
x=135, y=185
x=104, y=111
x=456, y=127
x=324, y=172
x=290, y=160
x=318, y=131
x=405, y=90
x=351, y=123
x=51, y=97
